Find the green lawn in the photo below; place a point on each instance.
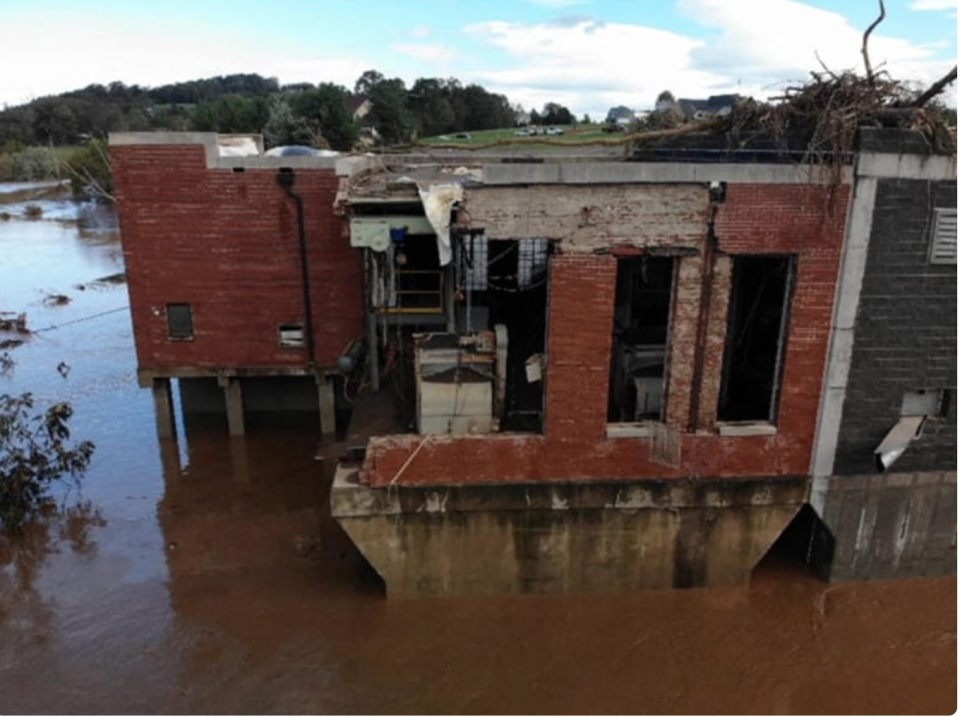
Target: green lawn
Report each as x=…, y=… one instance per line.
x=571, y=133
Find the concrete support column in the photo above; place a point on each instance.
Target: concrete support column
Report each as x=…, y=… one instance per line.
x=328, y=414
x=234, y=397
x=163, y=408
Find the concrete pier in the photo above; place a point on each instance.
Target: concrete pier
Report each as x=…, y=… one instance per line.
x=233, y=393
x=163, y=408
x=328, y=414
x=564, y=537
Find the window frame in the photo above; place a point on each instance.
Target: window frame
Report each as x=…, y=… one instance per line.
x=645, y=427
x=759, y=426
x=172, y=333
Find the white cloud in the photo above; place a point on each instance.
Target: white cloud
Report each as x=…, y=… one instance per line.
x=102, y=51
x=933, y=5
x=420, y=31
x=764, y=45
x=426, y=53
x=590, y=66
x=760, y=47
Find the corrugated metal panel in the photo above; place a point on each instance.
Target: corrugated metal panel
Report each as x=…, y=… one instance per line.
x=943, y=248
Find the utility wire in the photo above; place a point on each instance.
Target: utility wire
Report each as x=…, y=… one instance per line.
x=80, y=320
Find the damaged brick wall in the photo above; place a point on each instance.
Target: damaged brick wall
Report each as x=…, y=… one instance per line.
x=803, y=220
x=226, y=243
x=586, y=218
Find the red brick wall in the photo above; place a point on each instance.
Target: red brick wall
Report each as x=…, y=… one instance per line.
x=763, y=218
x=226, y=243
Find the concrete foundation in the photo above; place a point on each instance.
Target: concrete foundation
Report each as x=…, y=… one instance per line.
x=564, y=537
x=233, y=393
x=163, y=408
x=894, y=525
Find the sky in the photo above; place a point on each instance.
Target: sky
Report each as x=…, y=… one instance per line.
x=589, y=55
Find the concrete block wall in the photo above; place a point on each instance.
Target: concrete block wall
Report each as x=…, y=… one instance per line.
x=225, y=242
x=905, y=331
x=805, y=220
x=892, y=525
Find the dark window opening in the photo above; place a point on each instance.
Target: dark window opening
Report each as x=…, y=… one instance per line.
x=641, y=330
x=505, y=282
x=179, y=321
x=756, y=338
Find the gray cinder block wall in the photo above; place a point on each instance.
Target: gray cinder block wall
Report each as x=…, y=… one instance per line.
x=902, y=337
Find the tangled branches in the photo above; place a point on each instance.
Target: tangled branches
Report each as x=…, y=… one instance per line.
x=822, y=117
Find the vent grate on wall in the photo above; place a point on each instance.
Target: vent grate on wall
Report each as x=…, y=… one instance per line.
x=943, y=248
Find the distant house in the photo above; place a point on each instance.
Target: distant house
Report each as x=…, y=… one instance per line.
x=359, y=106
x=713, y=106
x=664, y=105
x=620, y=115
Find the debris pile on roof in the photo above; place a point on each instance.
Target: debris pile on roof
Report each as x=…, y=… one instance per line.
x=822, y=117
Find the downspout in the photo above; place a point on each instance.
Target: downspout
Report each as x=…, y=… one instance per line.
x=285, y=178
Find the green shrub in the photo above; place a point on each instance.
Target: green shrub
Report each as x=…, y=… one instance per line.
x=34, y=164
x=89, y=170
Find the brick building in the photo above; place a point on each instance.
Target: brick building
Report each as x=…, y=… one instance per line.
x=220, y=288
x=577, y=373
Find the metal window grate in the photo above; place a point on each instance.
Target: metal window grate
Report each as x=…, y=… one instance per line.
x=476, y=279
x=496, y=272
x=532, y=263
x=943, y=247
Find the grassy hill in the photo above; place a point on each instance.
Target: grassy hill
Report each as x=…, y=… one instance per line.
x=571, y=134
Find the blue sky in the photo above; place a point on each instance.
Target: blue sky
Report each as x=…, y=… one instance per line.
x=587, y=54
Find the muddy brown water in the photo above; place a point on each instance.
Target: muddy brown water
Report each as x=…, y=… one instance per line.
x=207, y=576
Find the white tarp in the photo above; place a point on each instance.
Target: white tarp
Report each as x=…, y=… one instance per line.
x=897, y=440
x=238, y=147
x=438, y=201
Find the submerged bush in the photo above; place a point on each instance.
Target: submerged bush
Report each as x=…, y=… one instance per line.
x=35, y=452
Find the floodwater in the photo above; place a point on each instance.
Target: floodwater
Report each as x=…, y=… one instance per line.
x=206, y=576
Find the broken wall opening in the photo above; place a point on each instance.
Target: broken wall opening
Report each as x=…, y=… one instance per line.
x=756, y=338
x=505, y=282
x=641, y=330
x=805, y=545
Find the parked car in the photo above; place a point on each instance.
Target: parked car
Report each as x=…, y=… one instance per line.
x=464, y=135
x=553, y=131
x=524, y=132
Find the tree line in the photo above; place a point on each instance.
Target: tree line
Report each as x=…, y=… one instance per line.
x=320, y=115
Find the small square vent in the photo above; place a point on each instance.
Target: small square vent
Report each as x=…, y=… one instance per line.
x=943, y=248
x=291, y=336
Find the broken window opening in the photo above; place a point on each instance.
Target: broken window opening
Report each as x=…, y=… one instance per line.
x=504, y=282
x=641, y=331
x=756, y=338
x=179, y=321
